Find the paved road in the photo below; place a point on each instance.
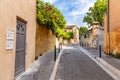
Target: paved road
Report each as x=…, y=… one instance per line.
x=75, y=65
x=111, y=60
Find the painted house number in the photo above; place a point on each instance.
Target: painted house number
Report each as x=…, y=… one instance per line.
x=10, y=39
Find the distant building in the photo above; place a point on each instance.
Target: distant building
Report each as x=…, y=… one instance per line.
x=98, y=35
x=86, y=38
x=93, y=37
x=112, y=32
x=75, y=30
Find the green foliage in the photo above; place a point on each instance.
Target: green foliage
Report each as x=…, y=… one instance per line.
x=88, y=19
x=68, y=35
x=96, y=12
x=61, y=33
x=82, y=30
x=50, y=16
x=71, y=35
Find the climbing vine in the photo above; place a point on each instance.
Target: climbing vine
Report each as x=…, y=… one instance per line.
x=51, y=17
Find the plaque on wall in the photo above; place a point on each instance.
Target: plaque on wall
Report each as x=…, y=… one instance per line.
x=10, y=39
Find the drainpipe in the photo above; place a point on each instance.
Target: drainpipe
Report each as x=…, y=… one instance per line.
x=108, y=27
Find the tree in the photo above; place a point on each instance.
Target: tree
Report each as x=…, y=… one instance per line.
x=69, y=35
x=51, y=17
x=82, y=30
x=60, y=32
x=96, y=12
x=88, y=19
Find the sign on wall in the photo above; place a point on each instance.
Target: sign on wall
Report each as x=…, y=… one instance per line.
x=10, y=39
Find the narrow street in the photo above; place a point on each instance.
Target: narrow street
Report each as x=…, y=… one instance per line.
x=75, y=65
x=60, y=40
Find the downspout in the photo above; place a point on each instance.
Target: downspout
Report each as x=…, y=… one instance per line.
x=108, y=27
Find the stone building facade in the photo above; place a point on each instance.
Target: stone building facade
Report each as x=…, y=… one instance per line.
x=94, y=37
x=87, y=38
x=97, y=35
x=75, y=30
x=17, y=37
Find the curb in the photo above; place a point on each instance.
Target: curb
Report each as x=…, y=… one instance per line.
x=110, y=67
x=112, y=71
x=52, y=77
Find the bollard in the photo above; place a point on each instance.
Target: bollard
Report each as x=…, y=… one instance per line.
x=82, y=44
x=35, y=75
x=100, y=51
x=59, y=47
x=55, y=53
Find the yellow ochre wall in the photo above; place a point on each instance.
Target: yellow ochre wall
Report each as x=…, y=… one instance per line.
x=45, y=40
x=9, y=10
x=114, y=22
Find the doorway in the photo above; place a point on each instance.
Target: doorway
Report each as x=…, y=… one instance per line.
x=20, y=47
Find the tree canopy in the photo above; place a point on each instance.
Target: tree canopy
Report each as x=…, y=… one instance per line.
x=82, y=30
x=51, y=17
x=69, y=35
x=96, y=12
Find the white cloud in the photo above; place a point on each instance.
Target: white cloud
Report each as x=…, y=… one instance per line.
x=73, y=10
x=50, y=1
x=80, y=2
x=71, y=24
x=82, y=10
x=62, y=6
x=84, y=1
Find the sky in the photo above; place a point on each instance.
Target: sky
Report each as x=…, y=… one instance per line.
x=73, y=10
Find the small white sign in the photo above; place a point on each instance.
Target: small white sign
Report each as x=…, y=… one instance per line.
x=10, y=34
x=9, y=45
x=10, y=39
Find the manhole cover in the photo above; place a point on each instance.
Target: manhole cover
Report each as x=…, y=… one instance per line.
x=66, y=53
x=88, y=49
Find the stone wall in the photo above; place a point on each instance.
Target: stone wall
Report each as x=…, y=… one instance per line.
x=114, y=42
x=87, y=41
x=45, y=40
x=114, y=20
x=76, y=35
